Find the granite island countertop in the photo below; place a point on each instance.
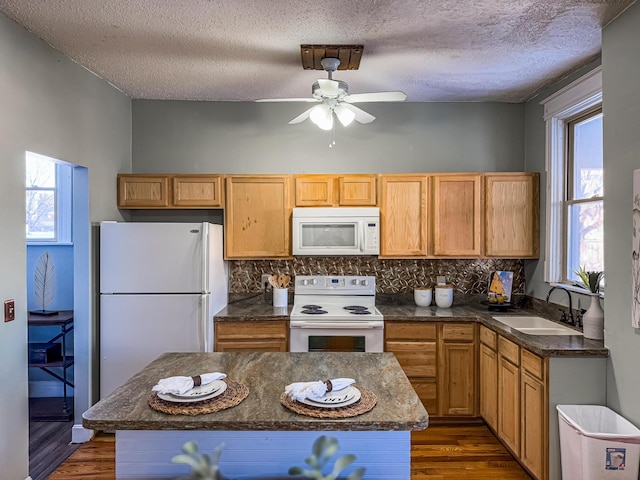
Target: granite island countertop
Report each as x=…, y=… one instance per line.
x=402, y=308
x=265, y=374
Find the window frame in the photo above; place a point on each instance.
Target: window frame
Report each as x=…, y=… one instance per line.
x=62, y=202
x=576, y=99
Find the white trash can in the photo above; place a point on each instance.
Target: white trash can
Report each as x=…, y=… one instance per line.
x=596, y=444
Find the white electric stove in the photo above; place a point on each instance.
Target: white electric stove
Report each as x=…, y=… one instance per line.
x=335, y=313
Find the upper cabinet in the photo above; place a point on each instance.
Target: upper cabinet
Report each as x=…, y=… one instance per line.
x=258, y=216
x=138, y=191
x=403, y=216
x=335, y=190
x=457, y=215
x=512, y=215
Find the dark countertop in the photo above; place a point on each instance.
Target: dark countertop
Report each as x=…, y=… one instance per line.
x=403, y=308
x=265, y=374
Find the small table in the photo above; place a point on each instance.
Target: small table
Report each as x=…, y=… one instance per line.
x=64, y=320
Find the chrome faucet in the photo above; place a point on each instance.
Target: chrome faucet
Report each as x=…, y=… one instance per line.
x=565, y=318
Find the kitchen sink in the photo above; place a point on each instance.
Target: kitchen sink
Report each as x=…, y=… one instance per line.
x=535, y=325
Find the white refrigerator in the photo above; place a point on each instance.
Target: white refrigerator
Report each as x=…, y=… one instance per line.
x=160, y=286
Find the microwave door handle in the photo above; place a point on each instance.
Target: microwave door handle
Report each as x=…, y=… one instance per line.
x=362, y=241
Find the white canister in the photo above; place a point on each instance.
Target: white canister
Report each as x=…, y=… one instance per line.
x=444, y=295
x=280, y=297
x=422, y=296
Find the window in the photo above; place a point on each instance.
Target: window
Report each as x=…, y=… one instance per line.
x=48, y=199
x=574, y=179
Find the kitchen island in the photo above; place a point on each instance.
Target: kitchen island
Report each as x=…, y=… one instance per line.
x=261, y=435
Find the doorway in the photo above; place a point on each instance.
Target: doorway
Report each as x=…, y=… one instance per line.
x=58, y=296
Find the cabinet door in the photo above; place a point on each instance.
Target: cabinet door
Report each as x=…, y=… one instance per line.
x=357, y=190
x=257, y=217
x=489, y=386
x=457, y=213
x=314, y=190
x=456, y=378
x=197, y=191
x=403, y=216
x=509, y=404
x=417, y=359
x=512, y=215
x=143, y=191
x=533, y=404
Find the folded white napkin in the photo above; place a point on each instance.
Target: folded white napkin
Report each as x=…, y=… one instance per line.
x=181, y=385
x=302, y=390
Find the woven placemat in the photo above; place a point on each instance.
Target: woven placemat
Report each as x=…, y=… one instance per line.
x=232, y=396
x=367, y=401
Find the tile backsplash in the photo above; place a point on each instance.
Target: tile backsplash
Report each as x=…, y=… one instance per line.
x=468, y=276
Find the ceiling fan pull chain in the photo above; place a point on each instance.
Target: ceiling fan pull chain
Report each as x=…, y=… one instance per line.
x=333, y=135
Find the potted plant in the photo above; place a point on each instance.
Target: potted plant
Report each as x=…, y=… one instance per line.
x=593, y=318
x=205, y=467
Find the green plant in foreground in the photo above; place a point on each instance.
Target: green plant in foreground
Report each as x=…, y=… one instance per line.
x=590, y=280
x=324, y=448
x=202, y=466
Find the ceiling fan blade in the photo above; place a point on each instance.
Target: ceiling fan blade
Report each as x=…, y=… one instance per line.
x=376, y=97
x=361, y=115
x=329, y=88
x=287, y=100
x=302, y=117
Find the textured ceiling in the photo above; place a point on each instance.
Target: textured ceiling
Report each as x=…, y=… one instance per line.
x=242, y=50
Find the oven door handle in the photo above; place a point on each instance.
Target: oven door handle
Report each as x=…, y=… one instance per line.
x=340, y=325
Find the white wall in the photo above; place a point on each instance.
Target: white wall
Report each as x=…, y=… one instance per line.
x=621, y=109
x=52, y=106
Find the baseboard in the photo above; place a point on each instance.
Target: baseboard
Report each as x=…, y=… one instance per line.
x=79, y=434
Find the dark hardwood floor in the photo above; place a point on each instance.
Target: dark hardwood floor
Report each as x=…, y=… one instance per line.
x=49, y=446
x=438, y=453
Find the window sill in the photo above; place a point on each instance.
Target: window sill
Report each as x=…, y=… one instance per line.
x=575, y=289
x=46, y=244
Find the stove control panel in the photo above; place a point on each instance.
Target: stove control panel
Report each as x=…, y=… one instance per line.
x=335, y=285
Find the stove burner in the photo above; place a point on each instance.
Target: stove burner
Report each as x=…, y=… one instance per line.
x=312, y=307
x=360, y=312
x=313, y=311
x=354, y=307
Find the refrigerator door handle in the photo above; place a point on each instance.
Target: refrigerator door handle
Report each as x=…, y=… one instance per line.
x=205, y=257
x=204, y=329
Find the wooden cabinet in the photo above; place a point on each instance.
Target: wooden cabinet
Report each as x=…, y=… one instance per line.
x=142, y=191
x=488, y=365
x=258, y=336
x=534, y=409
x=457, y=369
x=512, y=215
x=258, y=216
x=509, y=394
x=439, y=360
x=335, y=190
x=457, y=215
x=403, y=216
x=415, y=345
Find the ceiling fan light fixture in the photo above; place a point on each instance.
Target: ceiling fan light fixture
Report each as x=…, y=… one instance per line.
x=322, y=116
x=345, y=115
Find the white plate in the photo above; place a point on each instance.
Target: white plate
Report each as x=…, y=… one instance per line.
x=202, y=390
x=172, y=398
x=341, y=398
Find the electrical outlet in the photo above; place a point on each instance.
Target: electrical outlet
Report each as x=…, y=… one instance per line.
x=265, y=280
x=9, y=310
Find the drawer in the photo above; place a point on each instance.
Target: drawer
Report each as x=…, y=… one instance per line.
x=250, y=330
x=509, y=350
x=410, y=331
x=464, y=332
x=533, y=364
x=488, y=337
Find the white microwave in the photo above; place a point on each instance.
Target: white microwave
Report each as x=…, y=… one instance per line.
x=336, y=231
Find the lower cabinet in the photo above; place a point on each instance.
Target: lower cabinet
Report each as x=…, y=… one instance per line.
x=514, y=399
x=248, y=336
x=439, y=360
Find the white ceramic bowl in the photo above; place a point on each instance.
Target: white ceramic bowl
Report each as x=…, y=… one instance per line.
x=422, y=296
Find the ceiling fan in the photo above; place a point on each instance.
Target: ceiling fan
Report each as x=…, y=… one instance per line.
x=332, y=97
